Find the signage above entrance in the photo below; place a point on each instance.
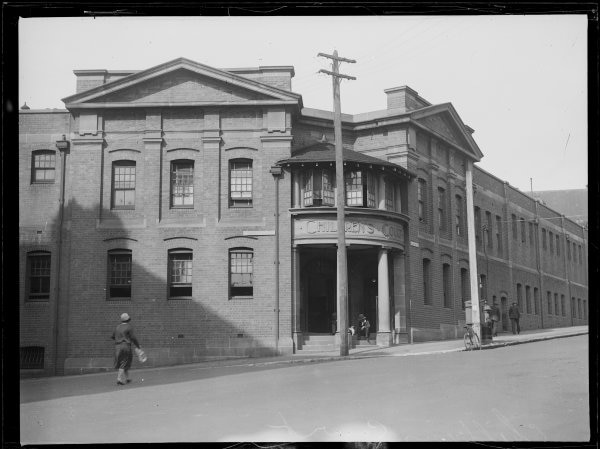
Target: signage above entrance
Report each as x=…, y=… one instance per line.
x=356, y=229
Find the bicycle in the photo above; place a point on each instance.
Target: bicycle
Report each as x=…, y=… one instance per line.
x=471, y=338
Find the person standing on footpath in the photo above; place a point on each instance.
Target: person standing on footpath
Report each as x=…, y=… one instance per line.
x=514, y=314
x=495, y=317
x=124, y=338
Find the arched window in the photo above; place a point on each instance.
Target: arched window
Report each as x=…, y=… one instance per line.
x=319, y=187
x=240, y=183
x=447, y=285
x=180, y=273
x=422, y=198
x=119, y=274
x=38, y=276
x=123, y=186
x=43, y=166
x=427, y=281
x=241, y=272
x=182, y=183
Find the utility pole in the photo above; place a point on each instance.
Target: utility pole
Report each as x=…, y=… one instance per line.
x=342, y=264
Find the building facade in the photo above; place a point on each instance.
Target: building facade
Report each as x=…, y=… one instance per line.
x=201, y=201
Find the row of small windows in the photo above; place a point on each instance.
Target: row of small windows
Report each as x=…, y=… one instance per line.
x=442, y=206
x=447, y=296
x=556, y=305
x=360, y=189
x=119, y=274
x=43, y=167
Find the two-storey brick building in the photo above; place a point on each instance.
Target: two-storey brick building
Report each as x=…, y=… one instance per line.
x=202, y=202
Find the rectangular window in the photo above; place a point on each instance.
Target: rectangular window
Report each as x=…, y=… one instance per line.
x=447, y=284
x=544, y=245
x=318, y=188
x=464, y=285
x=514, y=226
x=390, y=197
x=490, y=229
x=240, y=273
x=549, y=299
x=568, y=250
x=523, y=236
x=421, y=196
x=182, y=184
x=459, y=215
x=240, y=183
x=180, y=274
x=354, y=188
x=585, y=317
x=371, y=189
x=426, y=281
x=528, y=299
x=531, y=240
x=520, y=296
x=556, y=305
x=499, y=234
x=43, y=166
x=563, y=305
x=573, y=307
x=557, y=245
x=442, y=208
x=536, y=301
x=483, y=286
x=477, y=225
x=123, y=191
x=579, y=311
x=38, y=272
x=551, y=241
x=119, y=274
x=580, y=255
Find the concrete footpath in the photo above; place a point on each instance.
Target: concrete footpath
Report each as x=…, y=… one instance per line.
x=47, y=387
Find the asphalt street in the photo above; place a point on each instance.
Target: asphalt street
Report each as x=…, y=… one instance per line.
x=530, y=392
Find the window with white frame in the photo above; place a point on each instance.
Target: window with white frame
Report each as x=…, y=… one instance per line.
x=182, y=184
x=360, y=188
x=240, y=183
x=38, y=276
x=241, y=272
x=119, y=274
x=180, y=273
x=390, y=194
x=123, y=186
x=43, y=166
x=319, y=187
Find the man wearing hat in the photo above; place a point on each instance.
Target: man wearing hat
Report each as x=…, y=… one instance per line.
x=514, y=314
x=124, y=337
x=364, y=326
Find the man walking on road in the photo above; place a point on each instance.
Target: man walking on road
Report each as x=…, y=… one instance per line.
x=514, y=314
x=124, y=337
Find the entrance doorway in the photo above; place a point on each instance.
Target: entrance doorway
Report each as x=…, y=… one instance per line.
x=320, y=287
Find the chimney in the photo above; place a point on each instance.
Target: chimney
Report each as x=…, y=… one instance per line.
x=404, y=99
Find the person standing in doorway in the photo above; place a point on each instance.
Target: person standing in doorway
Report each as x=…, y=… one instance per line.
x=514, y=314
x=495, y=317
x=364, y=326
x=124, y=338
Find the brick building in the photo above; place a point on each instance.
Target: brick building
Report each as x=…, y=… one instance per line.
x=201, y=201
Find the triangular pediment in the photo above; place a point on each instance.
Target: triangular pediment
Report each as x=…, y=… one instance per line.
x=443, y=121
x=181, y=82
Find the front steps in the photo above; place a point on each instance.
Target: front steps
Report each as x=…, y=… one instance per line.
x=326, y=342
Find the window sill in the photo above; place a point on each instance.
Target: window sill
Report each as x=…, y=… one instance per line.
x=35, y=300
x=116, y=299
x=122, y=208
x=37, y=183
x=179, y=298
x=182, y=207
x=241, y=297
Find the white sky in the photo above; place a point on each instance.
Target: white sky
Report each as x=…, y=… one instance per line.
x=519, y=81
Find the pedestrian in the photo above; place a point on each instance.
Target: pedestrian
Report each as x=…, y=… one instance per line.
x=124, y=338
x=364, y=326
x=514, y=314
x=495, y=318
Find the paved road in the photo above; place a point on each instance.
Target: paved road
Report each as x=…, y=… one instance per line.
x=536, y=391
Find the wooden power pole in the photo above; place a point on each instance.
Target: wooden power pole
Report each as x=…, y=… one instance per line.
x=342, y=264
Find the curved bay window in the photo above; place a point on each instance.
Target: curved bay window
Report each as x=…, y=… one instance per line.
x=360, y=188
x=319, y=187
